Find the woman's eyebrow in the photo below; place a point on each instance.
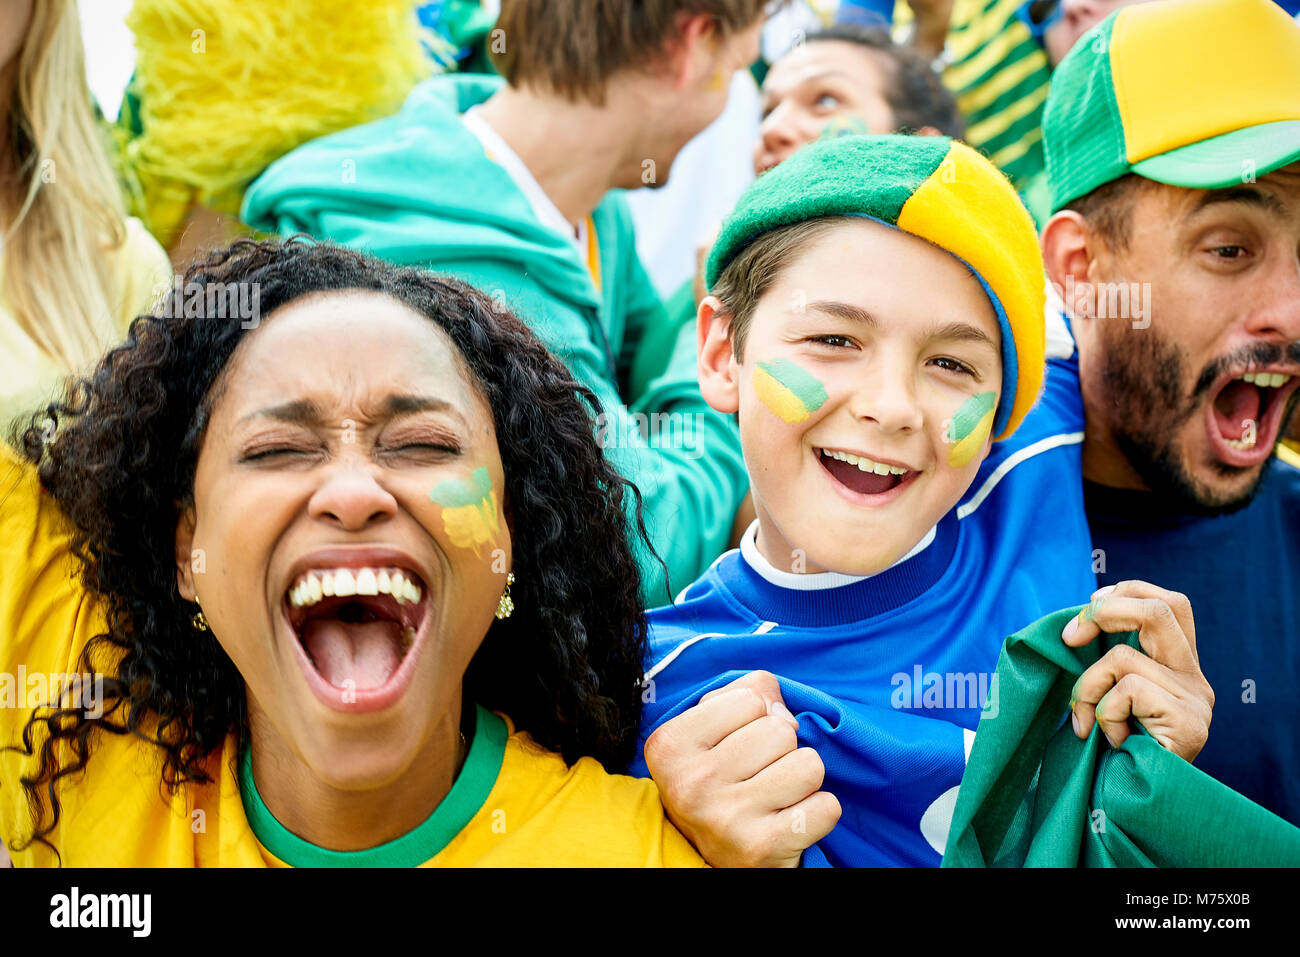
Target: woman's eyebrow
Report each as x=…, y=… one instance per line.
x=299, y=412
x=409, y=404
x=306, y=412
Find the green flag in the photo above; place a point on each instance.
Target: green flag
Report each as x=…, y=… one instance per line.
x=1034, y=795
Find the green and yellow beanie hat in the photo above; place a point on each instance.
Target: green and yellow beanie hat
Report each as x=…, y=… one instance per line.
x=932, y=187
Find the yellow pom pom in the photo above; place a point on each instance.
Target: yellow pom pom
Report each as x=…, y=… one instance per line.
x=227, y=87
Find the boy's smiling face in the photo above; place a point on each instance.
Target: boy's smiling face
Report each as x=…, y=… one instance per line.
x=870, y=344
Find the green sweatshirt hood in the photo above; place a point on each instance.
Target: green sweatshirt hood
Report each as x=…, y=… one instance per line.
x=417, y=188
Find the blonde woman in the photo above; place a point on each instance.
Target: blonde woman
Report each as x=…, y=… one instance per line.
x=74, y=269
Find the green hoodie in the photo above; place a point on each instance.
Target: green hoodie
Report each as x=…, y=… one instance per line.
x=417, y=189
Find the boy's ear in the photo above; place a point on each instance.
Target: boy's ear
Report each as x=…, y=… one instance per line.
x=1068, y=251
x=719, y=371
x=186, y=559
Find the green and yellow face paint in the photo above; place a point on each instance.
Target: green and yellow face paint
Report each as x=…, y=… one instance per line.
x=790, y=391
x=970, y=428
x=470, y=515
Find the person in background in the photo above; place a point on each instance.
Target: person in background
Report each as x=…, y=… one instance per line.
x=1175, y=241
x=74, y=269
x=514, y=186
x=998, y=59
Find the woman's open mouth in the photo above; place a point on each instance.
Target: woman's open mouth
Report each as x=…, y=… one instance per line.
x=356, y=629
x=1246, y=415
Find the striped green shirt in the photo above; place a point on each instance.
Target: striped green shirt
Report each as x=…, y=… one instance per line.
x=999, y=74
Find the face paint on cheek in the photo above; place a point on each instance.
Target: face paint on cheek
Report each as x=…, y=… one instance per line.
x=469, y=506
x=845, y=126
x=788, y=390
x=970, y=428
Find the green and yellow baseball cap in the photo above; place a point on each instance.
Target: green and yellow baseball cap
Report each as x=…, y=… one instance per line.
x=1201, y=94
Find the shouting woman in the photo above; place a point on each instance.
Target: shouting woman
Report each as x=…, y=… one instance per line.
x=355, y=589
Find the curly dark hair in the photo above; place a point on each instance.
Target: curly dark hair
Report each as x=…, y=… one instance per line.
x=566, y=666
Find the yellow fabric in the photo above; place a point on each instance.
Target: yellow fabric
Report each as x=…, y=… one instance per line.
x=227, y=87
x=539, y=812
x=30, y=377
x=957, y=209
x=1289, y=452
x=1239, y=65
x=593, y=253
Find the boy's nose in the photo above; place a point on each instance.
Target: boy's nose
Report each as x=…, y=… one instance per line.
x=889, y=401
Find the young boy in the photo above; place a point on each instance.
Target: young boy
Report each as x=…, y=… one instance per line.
x=877, y=325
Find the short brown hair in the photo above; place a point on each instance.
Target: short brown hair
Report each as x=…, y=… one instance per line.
x=1109, y=209
x=572, y=47
x=752, y=271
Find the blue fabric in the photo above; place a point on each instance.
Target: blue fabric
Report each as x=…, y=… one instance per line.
x=1047, y=13
x=865, y=13
x=887, y=675
x=1242, y=574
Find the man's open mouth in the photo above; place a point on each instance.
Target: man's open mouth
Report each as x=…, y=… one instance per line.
x=863, y=475
x=1246, y=414
x=357, y=625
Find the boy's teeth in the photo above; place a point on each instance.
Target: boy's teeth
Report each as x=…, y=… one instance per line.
x=865, y=464
x=1267, y=380
x=315, y=585
x=1242, y=444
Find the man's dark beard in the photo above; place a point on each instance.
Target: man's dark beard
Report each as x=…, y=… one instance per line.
x=1142, y=376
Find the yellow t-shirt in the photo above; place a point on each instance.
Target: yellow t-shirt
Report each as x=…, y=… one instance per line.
x=513, y=804
x=29, y=376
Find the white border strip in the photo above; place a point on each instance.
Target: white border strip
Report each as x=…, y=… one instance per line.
x=1028, y=452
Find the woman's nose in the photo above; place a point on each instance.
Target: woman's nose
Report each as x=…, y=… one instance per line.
x=352, y=497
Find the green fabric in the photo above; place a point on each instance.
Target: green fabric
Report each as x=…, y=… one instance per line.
x=1083, y=135
x=417, y=189
x=1034, y=795
x=468, y=792
x=469, y=26
x=1037, y=199
x=1020, y=75
x=1216, y=163
x=467, y=22
x=660, y=340
x=868, y=175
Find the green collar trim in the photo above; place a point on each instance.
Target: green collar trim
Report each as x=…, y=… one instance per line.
x=467, y=795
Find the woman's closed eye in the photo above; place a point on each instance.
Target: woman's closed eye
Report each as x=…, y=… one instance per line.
x=270, y=452
x=431, y=451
